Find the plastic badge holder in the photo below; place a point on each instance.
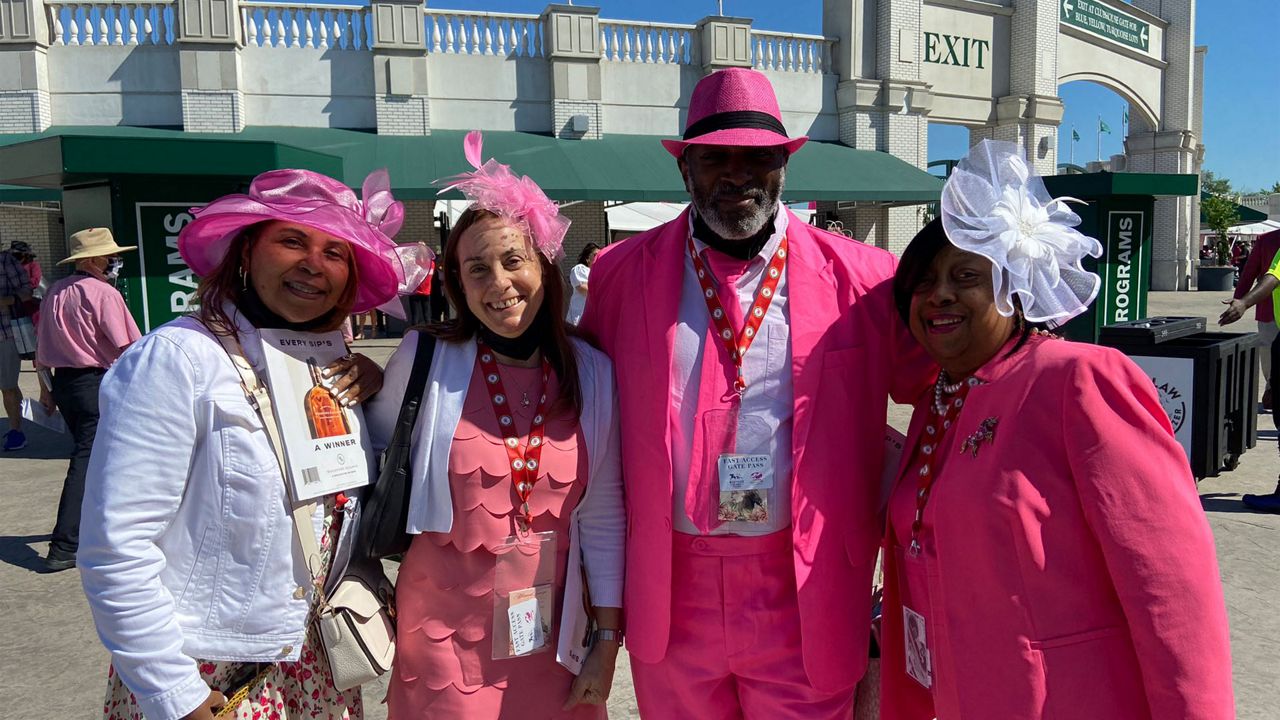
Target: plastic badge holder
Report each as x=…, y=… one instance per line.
x=524, y=595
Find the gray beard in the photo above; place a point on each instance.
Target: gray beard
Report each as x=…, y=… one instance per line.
x=739, y=226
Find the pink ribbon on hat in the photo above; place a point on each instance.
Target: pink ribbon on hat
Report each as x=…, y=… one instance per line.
x=300, y=193
x=493, y=187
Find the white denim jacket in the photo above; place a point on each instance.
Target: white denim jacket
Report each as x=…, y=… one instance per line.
x=186, y=535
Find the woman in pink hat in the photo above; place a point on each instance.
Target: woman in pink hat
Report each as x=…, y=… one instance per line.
x=509, y=597
x=187, y=550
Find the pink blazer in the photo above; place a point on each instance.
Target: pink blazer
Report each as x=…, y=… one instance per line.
x=1075, y=574
x=848, y=350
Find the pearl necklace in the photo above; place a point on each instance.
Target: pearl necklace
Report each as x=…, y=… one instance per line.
x=943, y=386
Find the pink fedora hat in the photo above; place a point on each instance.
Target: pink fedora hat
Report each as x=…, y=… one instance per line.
x=734, y=106
x=319, y=202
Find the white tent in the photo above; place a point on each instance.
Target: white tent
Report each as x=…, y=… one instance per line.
x=1254, y=229
x=633, y=217
x=640, y=216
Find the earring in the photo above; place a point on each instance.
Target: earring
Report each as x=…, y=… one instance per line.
x=244, y=279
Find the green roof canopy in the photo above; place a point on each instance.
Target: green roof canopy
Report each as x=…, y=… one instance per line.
x=60, y=157
x=616, y=167
x=1245, y=213
x=1105, y=184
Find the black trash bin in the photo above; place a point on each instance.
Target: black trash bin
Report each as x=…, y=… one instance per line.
x=1207, y=383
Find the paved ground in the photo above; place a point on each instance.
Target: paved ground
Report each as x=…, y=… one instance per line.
x=52, y=666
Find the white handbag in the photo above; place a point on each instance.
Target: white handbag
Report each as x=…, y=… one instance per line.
x=357, y=620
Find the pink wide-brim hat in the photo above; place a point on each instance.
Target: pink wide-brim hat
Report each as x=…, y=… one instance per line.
x=318, y=202
x=734, y=106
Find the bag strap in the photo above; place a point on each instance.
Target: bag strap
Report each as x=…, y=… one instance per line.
x=414, y=388
x=260, y=399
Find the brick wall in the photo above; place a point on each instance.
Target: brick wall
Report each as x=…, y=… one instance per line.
x=213, y=111
x=25, y=111
x=590, y=224
x=39, y=224
x=563, y=112
x=403, y=115
x=419, y=224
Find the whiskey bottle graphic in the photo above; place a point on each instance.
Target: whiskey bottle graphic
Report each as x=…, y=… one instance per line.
x=324, y=415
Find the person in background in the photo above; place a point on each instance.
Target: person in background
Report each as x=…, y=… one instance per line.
x=578, y=282
x=189, y=553
x=15, y=293
x=1045, y=544
x=1265, y=290
x=25, y=255
x=515, y=455
x=1255, y=268
x=84, y=327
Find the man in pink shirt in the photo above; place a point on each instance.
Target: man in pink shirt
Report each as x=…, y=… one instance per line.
x=84, y=327
x=1255, y=267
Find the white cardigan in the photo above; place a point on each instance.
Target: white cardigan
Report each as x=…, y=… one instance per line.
x=186, y=537
x=598, y=529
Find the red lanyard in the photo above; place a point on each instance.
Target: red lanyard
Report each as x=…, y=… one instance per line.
x=524, y=464
x=737, y=349
x=935, y=429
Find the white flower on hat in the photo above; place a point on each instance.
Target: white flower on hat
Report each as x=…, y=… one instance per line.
x=992, y=205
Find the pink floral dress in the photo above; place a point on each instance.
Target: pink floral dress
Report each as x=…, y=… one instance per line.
x=301, y=690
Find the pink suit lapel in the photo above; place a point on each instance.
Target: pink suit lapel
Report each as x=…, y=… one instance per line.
x=812, y=307
x=661, y=279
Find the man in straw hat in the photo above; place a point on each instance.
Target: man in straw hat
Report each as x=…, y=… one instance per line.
x=84, y=327
x=775, y=341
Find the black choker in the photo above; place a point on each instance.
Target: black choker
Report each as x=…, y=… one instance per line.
x=519, y=348
x=261, y=316
x=741, y=249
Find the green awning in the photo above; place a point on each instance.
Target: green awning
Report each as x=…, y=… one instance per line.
x=1105, y=184
x=616, y=167
x=64, y=156
x=1246, y=214
x=20, y=193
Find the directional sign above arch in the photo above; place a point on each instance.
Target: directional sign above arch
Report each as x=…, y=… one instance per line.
x=1107, y=21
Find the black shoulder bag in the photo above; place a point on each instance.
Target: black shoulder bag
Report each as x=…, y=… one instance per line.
x=386, y=511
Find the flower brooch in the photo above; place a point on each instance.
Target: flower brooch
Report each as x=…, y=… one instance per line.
x=985, y=433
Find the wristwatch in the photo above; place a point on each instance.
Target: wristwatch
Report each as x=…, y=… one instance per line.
x=607, y=634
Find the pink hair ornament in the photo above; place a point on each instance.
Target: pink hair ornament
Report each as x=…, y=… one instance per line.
x=493, y=187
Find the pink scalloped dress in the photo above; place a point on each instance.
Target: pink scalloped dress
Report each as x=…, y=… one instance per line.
x=445, y=591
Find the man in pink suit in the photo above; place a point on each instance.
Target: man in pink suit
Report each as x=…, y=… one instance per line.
x=754, y=355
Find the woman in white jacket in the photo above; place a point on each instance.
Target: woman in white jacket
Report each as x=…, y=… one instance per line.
x=188, y=551
x=516, y=495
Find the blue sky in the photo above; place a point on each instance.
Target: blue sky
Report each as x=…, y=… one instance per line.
x=1242, y=89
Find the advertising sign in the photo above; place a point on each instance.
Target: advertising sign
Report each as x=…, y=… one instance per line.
x=325, y=442
x=1123, y=266
x=1106, y=21
x=167, y=286
x=1173, y=378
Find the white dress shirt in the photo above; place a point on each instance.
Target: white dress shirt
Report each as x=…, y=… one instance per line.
x=768, y=400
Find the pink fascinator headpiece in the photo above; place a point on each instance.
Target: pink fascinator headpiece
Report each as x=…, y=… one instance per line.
x=493, y=187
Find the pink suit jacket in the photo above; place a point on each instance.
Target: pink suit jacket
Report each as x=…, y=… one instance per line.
x=848, y=349
x=1075, y=574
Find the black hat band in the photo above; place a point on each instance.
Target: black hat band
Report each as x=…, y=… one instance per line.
x=735, y=119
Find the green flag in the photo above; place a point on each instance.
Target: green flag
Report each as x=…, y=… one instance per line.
x=1075, y=136
x=1102, y=126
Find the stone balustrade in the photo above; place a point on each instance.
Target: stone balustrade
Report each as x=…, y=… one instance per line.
x=460, y=32
x=337, y=27
x=457, y=32
x=645, y=42
x=123, y=22
x=791, y=52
